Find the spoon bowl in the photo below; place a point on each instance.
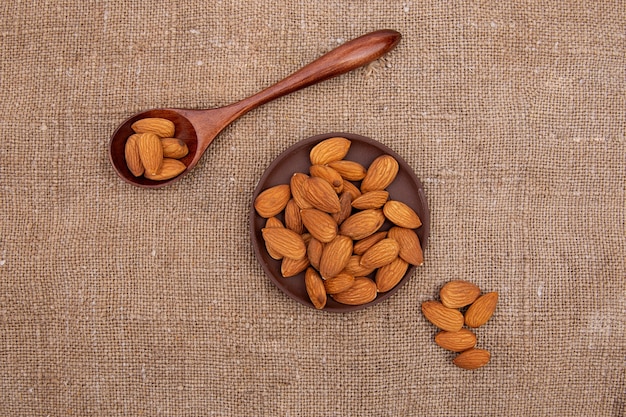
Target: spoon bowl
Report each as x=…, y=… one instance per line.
x=198, y=128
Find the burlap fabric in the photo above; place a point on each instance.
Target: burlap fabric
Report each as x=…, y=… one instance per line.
x=122, y=301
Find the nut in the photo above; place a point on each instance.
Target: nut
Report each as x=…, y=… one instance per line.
x=272, y=201
x=362, y=291
x=389, y=275
x=381, y=253
x=472, y=359
x=349, y=170
x=315, y=288
x=441, y=316
x=163, y=128
x=286, y=242
x=170, y=168
x=362, y=224
x=321, y=195
x=458, y=293
x=321, y=225
x=481, y=310
x=401, y=214
x=380, y=174
x=335, y=256
x=371, y=200
x=329, y=150
x=456, y=341
x=174, y=148
x=410, y=248
x=131, y=153
x=150, y=152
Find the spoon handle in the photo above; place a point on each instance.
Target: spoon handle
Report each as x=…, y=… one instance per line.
x=346, y=57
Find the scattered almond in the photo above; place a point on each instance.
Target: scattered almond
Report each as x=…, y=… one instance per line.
x=320, y=224
x=481, y=310
x=458, y=293
x=472, y=359
x=458, y=341
x=445, y=315
x=441, y=316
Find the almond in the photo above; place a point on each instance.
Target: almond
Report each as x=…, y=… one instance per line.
x=355, y=268
x=388, y=276
x=338, y=283
x=458, y=293
x=314, y=252
x=380, y=254
x=381, y=172
x=349, y=170
x=297, y=189
x=170, y=168
x=329, y=150
x=351, y=188
x=330, y=175
x=410, y=248
x=290, y=267
x=321, y=195
x=335, y=256
x=272, y=201
x=401, y=214
x=456, y=341
x=285, y=242
x=362, y=291
x=174, y=148
x=371, y=200
x=163, y=128
x=345, y=202
x=481, y=310
x=362, y=224
x=315, y=288
x=441, y=316
x=321, y=225
x=150, y=152
x=273, y=222
x=131, y=153
x=364, y=244
x=472, y=359
x=293, y=219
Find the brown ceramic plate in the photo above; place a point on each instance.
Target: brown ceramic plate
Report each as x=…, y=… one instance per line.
x=406, y=188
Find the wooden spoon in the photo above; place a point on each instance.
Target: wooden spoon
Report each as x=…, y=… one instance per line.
x=198, y=128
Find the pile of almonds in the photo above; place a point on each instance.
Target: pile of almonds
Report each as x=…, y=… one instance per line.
x=153, y=151
x=332, y=230
x=447, y=316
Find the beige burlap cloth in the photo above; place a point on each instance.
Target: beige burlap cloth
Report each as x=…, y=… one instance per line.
x=120, y=301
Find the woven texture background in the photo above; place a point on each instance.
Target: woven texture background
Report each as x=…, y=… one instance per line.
x=122, y=301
